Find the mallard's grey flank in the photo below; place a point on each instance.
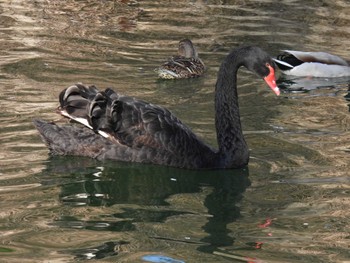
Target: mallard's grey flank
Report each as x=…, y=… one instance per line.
x=312, y=64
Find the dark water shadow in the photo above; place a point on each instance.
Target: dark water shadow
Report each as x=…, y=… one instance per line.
x=85, y=182
x=347, y=96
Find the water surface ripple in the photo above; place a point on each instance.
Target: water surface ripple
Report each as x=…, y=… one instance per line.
x=291, y=204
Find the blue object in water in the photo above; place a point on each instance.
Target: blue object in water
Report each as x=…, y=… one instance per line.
x=161, y=259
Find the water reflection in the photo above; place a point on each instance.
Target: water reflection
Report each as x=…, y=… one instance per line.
x=347, y=96
x=101, y=251
x=85, y=182
x=312, y=86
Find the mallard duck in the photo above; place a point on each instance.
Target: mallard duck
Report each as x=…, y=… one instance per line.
x=123, y=128
x=185, y=65
x=312, y=64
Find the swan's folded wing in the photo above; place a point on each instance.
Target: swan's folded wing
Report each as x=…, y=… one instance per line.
x=74, y=99
x=140, y=124
x=129, y=122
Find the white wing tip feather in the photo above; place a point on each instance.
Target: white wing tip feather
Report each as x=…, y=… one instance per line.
x=283, y=63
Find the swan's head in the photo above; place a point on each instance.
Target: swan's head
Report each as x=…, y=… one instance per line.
x=258, y=61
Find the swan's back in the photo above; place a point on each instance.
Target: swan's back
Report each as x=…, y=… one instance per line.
x=132, y=129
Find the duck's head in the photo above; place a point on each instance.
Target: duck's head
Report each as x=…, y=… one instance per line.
x=187, y=49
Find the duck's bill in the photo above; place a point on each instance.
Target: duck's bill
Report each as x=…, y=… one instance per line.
x=271, y=81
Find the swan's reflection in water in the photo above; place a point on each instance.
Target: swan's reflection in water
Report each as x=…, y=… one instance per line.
x=140, y=193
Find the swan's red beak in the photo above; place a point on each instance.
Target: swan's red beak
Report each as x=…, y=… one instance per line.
x=271, y=80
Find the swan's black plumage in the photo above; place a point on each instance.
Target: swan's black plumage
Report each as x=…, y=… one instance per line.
x=126, y=129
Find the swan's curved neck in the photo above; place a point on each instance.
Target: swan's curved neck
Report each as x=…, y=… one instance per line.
x=233, y=150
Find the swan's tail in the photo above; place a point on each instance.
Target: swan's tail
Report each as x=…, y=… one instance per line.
x=98, y=111
x=70, y=139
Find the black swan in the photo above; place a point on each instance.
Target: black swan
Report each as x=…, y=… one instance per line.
x=126, y=129
x=185, y=65
x=312, y=64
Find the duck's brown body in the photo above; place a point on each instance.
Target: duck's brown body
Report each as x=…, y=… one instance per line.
x=185, y=65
